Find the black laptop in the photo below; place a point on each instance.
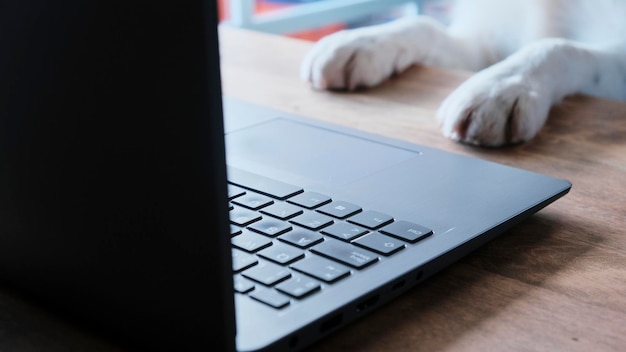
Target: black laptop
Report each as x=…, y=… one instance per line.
x=115, y=209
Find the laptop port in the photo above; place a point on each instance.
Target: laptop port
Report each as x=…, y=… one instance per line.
x=370, y=302
x=331, y=323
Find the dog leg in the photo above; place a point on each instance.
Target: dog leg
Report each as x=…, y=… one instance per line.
x=365, y=57
x=509, y=102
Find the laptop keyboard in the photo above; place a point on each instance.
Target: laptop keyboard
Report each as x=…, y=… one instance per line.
x=289, y=243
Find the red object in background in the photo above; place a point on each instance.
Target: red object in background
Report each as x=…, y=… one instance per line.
x=265, y=6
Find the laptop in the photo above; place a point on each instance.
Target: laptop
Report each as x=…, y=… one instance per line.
x=139, y=201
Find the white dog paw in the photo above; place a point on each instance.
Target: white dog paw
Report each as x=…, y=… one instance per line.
x=353, y=59
x=495, y=109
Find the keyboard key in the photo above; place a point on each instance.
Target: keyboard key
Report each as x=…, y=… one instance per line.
x=270, y=227
x=312, y=220
x=242, y=285
x=282, y=210
x=380, y=243
x=339, y=209
x=234, y=230
x=261, y=184
x=309, y=199
x=243, y=217
x=242, y=260
x=234, y=191
x=407, y=231
x=281, y=253
x=302, y=238
x=344, y=231
x=346, y=253
x=267, y=273
x=270, y=297
x=371, y=219
x=253, y=201
x=250, y=241
x=320, y=268
x=298, y=286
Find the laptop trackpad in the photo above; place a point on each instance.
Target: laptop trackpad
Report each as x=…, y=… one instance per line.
x=309, y=155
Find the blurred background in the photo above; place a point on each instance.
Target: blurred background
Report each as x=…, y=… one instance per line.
x=314, y=19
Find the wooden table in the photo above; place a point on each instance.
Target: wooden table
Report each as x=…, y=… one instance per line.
x=557, y=282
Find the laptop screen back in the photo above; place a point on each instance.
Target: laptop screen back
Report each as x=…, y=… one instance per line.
x=113, y=197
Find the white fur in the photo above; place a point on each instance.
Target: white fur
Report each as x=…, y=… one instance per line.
x=528, y=55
